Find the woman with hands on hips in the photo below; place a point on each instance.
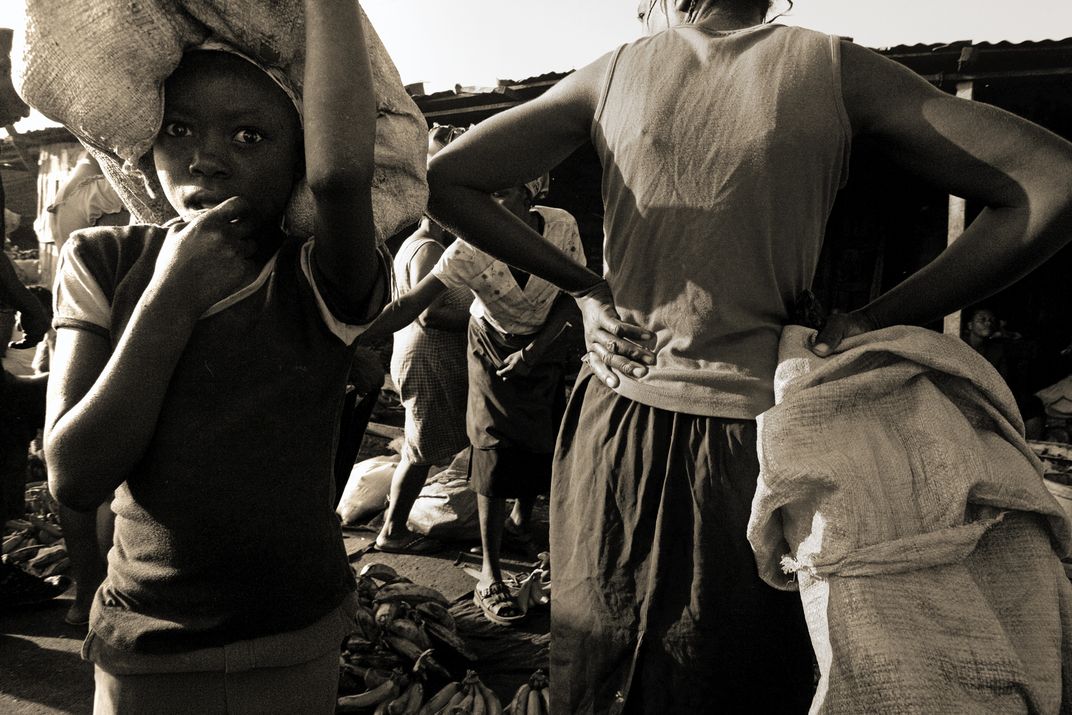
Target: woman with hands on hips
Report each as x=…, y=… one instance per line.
x=723, y=142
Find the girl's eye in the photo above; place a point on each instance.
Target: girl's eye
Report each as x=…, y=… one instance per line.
x=248, y=136
x=176, y=129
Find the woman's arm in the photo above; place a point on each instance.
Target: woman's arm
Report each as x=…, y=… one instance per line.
x=1020, y=173
x=340, y=139
x=508, y=150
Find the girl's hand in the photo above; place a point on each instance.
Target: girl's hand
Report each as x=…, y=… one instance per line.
x=613, y=346
x=209, y=258
x=514, y=365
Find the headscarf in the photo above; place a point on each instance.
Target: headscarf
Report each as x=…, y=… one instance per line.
x=274, y=73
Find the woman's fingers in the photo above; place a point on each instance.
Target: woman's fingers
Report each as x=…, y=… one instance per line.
x=601, y=370
x=615, y=348
x=839, y=327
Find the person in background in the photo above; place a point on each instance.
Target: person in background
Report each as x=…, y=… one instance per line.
x=428, y=365
x=516, y=320
x=17, y=298
x=1006, y=352
x=723, y=141
x=200, y=371
x=84, y=199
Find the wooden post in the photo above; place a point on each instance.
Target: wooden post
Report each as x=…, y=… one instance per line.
x=957, y=220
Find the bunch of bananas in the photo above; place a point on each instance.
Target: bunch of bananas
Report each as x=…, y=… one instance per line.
x=468, y=697
x=401, y=630
x=532, y=698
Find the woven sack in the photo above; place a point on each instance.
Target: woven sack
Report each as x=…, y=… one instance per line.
x=367, y=488
x=897, y=488
x=446, y=508
x=99, y=68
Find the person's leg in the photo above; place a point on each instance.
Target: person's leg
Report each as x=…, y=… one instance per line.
x=87, y=565
x=492, y=512
x=406, y=485
x=105, y=529
x=521, y=514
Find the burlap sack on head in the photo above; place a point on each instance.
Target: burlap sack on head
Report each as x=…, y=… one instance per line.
x=896, y=485
x=99, y=67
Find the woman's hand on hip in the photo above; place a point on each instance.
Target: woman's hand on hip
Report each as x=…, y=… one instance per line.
x=614, y=349
x=837, y=328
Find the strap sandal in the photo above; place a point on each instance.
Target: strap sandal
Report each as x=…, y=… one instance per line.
x=498, y=604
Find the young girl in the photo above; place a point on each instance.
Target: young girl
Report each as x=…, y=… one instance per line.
x=199, y=373
x=723, y=141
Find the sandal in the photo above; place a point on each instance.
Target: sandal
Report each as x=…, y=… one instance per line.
x=413, y=544
x=498, y=604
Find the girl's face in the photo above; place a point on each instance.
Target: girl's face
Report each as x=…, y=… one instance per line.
x=228, y=130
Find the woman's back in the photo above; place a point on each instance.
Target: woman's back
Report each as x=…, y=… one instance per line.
x=722, y=153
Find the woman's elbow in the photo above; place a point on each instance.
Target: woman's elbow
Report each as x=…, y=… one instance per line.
x=70, y=496
x=442, y=187
x=65, y=487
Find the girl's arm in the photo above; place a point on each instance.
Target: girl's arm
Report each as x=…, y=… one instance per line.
x=1020, y=173
x=404, y=310
x=340, y=139
x=103, y=405
x=440, y=315
x=508, y=150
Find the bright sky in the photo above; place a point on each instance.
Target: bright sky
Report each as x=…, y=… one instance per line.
x=476, y=42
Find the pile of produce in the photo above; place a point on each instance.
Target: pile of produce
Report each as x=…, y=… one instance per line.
x=35, y=542
x=406, y=645
x=1056, y=458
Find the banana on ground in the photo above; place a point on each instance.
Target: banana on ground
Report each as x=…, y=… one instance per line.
x=410, y=593
x=371, y=698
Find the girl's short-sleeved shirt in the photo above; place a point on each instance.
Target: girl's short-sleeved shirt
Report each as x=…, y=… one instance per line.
x=509, y=308
x=225, y=528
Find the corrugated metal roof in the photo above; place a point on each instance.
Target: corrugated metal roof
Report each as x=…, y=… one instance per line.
x=938, y=62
